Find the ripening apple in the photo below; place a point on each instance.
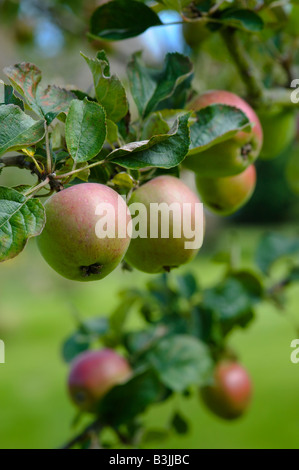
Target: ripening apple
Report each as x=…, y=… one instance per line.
x=233, y=155
x=93, y=374
x=180, y=224
x=279, y=128
x=230, y=393
x=70, y=243
x=224, y=196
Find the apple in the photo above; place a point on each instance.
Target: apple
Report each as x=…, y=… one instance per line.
x=69, y=242
x=233, y=155
x=160, y=254
x=279, y=128
x=93, y=374
x=224, y=196
x=230, y=393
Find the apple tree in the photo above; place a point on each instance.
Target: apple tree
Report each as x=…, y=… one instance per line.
x=89, y=147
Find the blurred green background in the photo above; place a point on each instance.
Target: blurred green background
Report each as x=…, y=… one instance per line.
x=36, y=305
x=36, y=316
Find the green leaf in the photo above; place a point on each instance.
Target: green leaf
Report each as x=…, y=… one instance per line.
x=17, y=129
x=48, y=103
x=176, y=70
x=128, y=400
x=251, y=283
x=123, y=180
x=294, y=275
x=163, y=151
x=180, y=361
x=177, y=5
x=149, y=92
x=152, y=435
x=74, y=345
x=137, y=342
x=274, y=246
x=216, y=123
x=244, y=19
x=141, y=82
x=7, y=96
x=112, y=132
x=53, y=101
x=122, y=19
x=22, y=188
x=187, y=285
x=81, y=94
x=206, y=325
x=20, y=219
x=25, y=78
x=119, y=316
x=95, y=325
x=110, y=92
x=154, y=125
x=232, y=301
x=178, y=100
x=85, y=130
x=179, y=424
x=83, y=175
x=159, y=288
x=89, y=331
x=292, y=168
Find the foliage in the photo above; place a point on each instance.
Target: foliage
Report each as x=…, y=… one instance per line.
x=186, y=331
x=65, y=136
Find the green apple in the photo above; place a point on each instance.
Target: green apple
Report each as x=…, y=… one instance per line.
x=279, y=128
x=230, y=393
x=71, y=241
x=164, y=251
x=93, y=374
x=224, y=196
x=231, y=156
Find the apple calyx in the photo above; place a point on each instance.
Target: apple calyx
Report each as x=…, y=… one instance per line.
x=92, y=269
x=246, y=150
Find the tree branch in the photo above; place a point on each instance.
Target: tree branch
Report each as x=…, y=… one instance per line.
x=20, y=161
x=243, y=62
x=89, y=431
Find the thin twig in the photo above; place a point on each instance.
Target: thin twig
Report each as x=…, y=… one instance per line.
x=92, y=428
x=79, y=170
x=49, y=156
x=36, y=188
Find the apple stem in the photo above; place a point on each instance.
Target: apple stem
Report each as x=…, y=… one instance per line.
x=48, y=150
x=79, y=170
x=36, y=188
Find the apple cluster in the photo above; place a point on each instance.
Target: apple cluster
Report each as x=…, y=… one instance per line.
x=225, y=179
